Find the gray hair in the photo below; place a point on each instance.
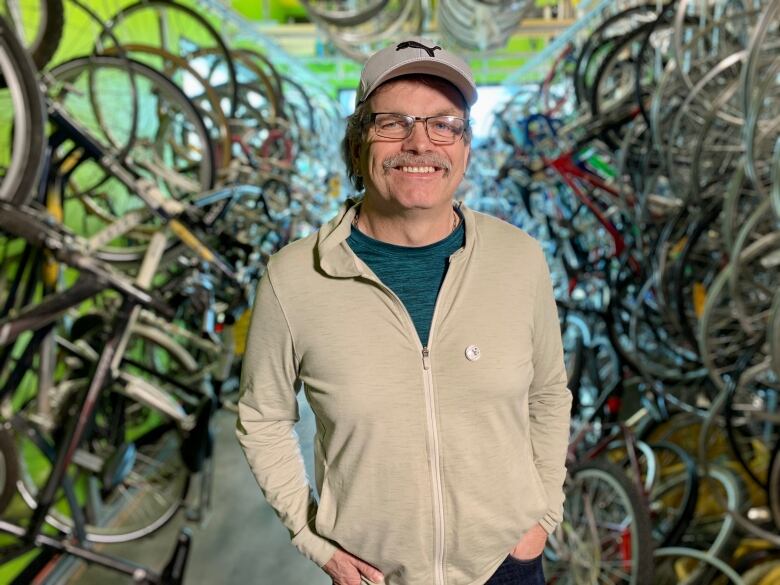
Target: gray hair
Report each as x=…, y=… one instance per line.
x=357, y=122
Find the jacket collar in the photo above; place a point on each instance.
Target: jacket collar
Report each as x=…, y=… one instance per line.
x=334, y=255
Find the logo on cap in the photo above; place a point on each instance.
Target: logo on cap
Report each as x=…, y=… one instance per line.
x=416, y=45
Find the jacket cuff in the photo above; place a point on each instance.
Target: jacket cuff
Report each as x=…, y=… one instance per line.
x=313, y=546
x=549, y=523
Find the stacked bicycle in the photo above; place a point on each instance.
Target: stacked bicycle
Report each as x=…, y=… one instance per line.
x=646, y=162
x=357, y=29
x=146, y=176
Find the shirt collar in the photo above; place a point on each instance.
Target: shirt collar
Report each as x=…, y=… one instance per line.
x=334, y=256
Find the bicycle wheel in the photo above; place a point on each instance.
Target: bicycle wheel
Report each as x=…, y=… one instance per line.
x=338, y=15
x=605, y=536
x=170, y=147
x=751, y=421
x=683, y=429
x=674, y=494
x=675, y=562
x=398, y=18
x=599, y=44
x=22, y=119
x=774, y=487
x=712, y=529
x=124, y=488
x=769, y=575
x=260, y=71
x=202, y=95
x=39, y=24
x=128, y=477
x=645, y=463
x=613, y=90
x=696, y=266
x=9, y=468
x=180, y=30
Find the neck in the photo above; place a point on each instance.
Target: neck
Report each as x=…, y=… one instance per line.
x=414, y=228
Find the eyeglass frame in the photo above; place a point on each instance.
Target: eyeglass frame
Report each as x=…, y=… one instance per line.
x=371, y=119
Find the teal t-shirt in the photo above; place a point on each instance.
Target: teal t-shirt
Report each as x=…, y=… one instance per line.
x=415, y=275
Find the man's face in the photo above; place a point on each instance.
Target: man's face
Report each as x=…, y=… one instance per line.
x=400, y=185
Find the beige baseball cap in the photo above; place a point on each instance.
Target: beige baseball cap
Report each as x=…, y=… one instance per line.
x=415, y=55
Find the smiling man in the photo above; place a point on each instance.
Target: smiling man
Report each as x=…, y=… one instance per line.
x=426, y=338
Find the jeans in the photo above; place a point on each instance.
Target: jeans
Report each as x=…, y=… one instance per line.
x=516, y=572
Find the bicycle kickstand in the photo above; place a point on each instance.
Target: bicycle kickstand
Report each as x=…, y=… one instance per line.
x=173, y=573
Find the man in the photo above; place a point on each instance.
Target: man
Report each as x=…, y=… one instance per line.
x=426, y=338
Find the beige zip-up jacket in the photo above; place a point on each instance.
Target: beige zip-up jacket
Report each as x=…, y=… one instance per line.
x=431, y=462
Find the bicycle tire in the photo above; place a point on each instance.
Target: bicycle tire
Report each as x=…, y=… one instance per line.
x=267, y=73
x=773, y=332
x=724, y=541
x=9, y=468
x=201, y=172
x=480, y=28
x=67, y=71
x=617, y=452
x=359, y=42
x=48, y=30
x=671, y=534
x=756, y=239
x=596, y=41
x=715, y=565
x=774, y=486
x=345, y=17
x=753, y=559
x=616, y=56
x=774, y=192
x=699, y=230
x=18, y=77
x=300, y=111
x=188, y=79
x=161, y=5
x=632, y=532
x=157, y=450
x=158, y=471
x=770, y=574
x=665, y=20
x=750, y=433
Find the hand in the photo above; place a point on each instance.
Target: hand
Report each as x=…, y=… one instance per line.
x=346, y=569
x=531, y=545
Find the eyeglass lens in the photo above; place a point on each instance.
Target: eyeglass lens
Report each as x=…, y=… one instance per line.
x=439, y=128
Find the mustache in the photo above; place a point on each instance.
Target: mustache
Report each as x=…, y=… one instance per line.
x=403, y=159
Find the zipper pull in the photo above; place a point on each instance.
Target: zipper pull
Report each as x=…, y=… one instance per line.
x=426, y=360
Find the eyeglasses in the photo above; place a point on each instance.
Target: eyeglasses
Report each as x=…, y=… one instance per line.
x=440, y=129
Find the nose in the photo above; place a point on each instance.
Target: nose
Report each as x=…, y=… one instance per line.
x=418, y=140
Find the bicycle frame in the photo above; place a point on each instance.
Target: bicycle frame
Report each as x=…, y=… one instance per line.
x=67, y=248
x=573, y=175
x=40, y=232
x=171, y=211
x=106, y=371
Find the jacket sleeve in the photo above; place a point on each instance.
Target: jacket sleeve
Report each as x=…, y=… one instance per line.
x=267, y=413
x=549, y=399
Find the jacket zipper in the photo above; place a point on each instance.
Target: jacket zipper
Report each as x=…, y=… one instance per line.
x=433, y=430
x=438, y=489
x=433, y=437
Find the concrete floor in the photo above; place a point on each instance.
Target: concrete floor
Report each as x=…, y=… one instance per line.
x=242, y=541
